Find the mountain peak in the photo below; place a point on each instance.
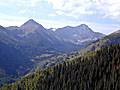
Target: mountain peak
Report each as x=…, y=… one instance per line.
x=83, y=25
x=85, y=28
x=31, y=26
x=31, y=21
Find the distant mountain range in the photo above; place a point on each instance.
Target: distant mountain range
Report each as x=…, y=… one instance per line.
x=79, y=34
x=22, y=47
x=33, y=38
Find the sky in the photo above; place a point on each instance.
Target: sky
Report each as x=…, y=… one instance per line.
x=100, y=15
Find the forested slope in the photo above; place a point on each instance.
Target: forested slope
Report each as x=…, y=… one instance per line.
x=98, y=70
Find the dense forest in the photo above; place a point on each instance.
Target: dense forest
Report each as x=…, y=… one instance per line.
x=99, y=70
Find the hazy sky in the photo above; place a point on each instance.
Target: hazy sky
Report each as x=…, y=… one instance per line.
x=100, y=15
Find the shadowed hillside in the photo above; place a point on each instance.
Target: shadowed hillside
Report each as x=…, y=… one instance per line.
x=98, y=70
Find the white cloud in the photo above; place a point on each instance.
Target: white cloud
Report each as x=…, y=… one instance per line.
x=107, y=8
x=71, y=7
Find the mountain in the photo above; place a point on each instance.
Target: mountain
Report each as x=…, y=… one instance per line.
x=31, y=26
x=98, y=70
x=79, y=34
x=113, y=38
x=20, y=45
x=36, y=39
x=32, y=45
x=33, y=40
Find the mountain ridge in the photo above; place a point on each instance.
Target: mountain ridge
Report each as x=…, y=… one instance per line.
x=78, y=34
